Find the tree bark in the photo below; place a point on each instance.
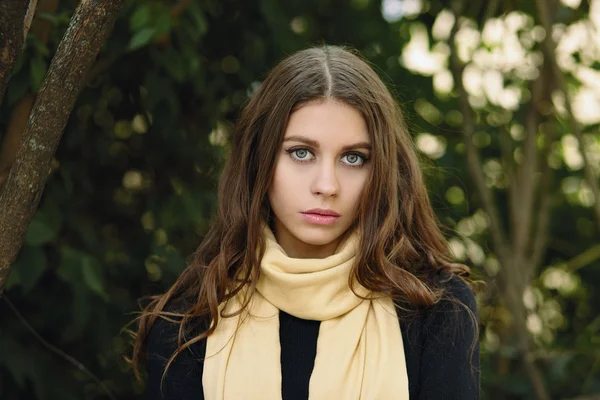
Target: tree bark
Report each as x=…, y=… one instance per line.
x=90, y=26
x=20, y=111
x=12, y=22
x=29, y=17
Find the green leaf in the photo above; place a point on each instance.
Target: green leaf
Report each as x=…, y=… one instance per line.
x=39, y=46
x=141, y=38
x=199, y=20
x=171, y=61
x=92, y=276
x=54, y=19
x=77, y=266
x=37, y=72
x=51, y=214
x=140, y=18
x=163, y=24
x=13, y=279
x=30, y=264
x=19, y=64
x=39, y=232
x=69, y=268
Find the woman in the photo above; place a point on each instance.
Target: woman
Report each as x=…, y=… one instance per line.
x=325, y=274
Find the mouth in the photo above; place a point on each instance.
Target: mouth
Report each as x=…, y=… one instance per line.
x=321, y=211
x=320, y=216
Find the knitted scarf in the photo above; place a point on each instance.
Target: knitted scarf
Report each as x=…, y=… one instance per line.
x=360, y=354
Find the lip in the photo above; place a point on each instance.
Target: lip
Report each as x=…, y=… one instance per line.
x=321, y=211
x=319, y=216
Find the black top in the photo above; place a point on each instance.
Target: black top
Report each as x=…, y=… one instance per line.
x=437, y=346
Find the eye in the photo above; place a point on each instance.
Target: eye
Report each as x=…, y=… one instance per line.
x=300, y=154
x=354, y=159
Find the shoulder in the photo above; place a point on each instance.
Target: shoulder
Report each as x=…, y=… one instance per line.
x=164, y=336
x=454, y=317
x=454, y=290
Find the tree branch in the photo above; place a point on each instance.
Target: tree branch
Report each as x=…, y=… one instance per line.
x=473, y=159
x=29, y=17
x=58, y=351
x=490, y=10
x=20, y=111
x=546, y=202
x=580, y=260
x=542, y=229
x=549, y=52
x=514, y=285
x=89, y=28
x=12, y=20
x=12, y=137
x=506, y=150
x=527, y=174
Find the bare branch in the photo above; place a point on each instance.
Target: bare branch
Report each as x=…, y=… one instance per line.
x=580, y=260
x=542, y=231
x=29, y=17
x=89, y=28
x=473, y=159
x=527, y=174
x=546, y=199
x=490, y=10
x=58, y=351
x=506, y=149
x=511, y=272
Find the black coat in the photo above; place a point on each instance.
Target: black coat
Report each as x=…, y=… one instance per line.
x=440, y=360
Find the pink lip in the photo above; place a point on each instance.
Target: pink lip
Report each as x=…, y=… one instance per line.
x=321, y=211
x=320, y=216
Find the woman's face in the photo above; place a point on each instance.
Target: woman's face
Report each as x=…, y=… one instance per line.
x=320, y=173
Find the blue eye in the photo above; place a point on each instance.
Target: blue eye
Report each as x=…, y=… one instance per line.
x=355, y=159
x=300, y=154
x=303, y=154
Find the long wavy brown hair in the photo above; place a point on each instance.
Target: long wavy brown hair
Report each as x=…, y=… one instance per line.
x=402, y=247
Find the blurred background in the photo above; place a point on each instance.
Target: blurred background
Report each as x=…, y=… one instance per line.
x=502, y=98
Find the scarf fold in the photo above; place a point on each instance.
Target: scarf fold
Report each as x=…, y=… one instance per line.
x=360, y=354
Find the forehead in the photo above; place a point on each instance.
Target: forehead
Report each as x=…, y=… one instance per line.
x=328, y=121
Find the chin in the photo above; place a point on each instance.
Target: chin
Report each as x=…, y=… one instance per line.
x=318, y=236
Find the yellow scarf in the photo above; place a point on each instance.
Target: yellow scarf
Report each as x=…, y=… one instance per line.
x=360, y=354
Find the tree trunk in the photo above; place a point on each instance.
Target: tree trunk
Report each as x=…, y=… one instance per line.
x=89, y=28
x=20, y=111
x=12, y=26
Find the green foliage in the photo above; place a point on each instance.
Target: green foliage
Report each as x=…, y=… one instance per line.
x=133, y=187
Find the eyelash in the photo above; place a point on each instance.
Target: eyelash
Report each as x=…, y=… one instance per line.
x=292, y=150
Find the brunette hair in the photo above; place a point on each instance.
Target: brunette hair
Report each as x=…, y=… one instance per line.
x=402, y=247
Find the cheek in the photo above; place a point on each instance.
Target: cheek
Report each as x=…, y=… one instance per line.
x=356, y=187
x=278, y=192
x=357, y=183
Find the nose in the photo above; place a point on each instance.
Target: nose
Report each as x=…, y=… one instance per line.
x=325, y=181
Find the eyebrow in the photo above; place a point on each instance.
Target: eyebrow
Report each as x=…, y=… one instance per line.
x=314, y=143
